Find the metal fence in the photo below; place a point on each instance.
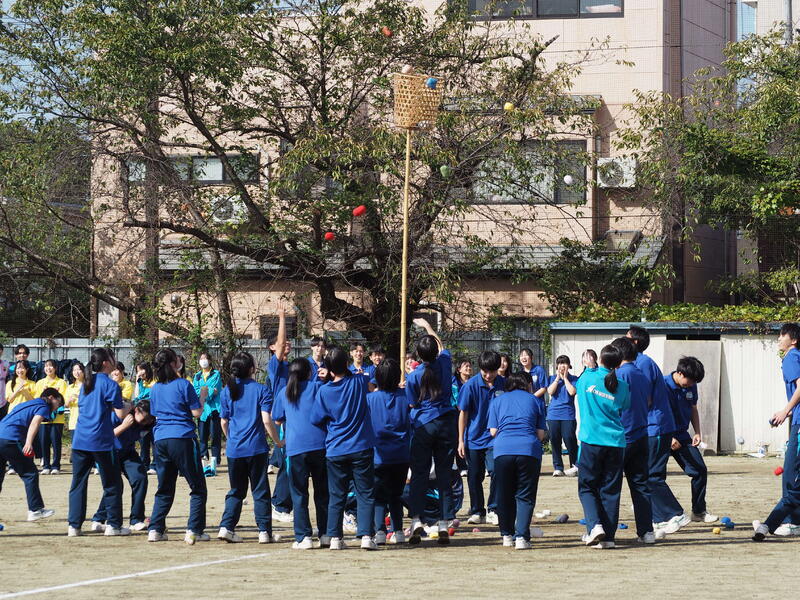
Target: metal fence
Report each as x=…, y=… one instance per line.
x=468, y=343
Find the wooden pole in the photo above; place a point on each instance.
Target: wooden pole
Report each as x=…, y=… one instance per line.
x=404, y=288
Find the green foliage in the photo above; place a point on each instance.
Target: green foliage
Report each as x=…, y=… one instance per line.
x=590, y=274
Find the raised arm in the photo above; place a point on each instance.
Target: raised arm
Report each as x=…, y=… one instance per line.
x=280, y=342
x=429, y=330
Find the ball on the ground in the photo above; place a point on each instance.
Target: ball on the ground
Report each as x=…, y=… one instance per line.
x=475, y=530
x=456, y=523
x=725, y=520
x=386, y=31
x=451, y=531
x=546, y=512
x=622, y=526
x=330, y=236
x=359, y=210
x=562, y=518
x=582, y=521
x=407, y=70
x=508, y=106
x=730, y=525
x=778, y=470
x=387, y=521
x=716, y=531
x=537, y=532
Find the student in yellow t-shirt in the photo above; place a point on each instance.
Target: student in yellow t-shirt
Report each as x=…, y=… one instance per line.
x=126, y=386
x=51, y=432
x=20, y=388
x=73, y=393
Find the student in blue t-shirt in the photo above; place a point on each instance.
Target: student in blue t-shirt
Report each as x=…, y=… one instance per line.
x=435, y=431
x=784, y=519
x=474, y=440
x=682, y=387
x=244, y=410
x=602, y=396
x=561, y=421
x=376, y=356
x=305, y=449
x=278, y=373
x=537, y=373
x=636, y=466
x=317, y=358
x=127, y=432
x=668, y=514
x=18, y=434
x=175, y=405
x=342, y=409
x=391, y=424
x=358, y=352
x=517, y=423
x=93, y=443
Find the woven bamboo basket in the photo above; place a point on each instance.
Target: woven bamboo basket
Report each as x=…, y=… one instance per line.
x=415, y=104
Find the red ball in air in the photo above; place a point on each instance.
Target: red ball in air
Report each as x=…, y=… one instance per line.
x=386, y=31
x=330, y=236
x=359, y=211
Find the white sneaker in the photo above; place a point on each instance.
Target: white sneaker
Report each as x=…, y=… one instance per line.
x=491, y=518
x=228, y=536
x=597, y=534
x=151, y=471
x=73, y=531
x=35, y=515
x=337, y=544
x=508, y=541
x=324, y=541
x=416, y=532
x=558, y=473
x=110, y=531
x=571, y=472
x=444, y=535
x=191, y=537
x=264, y=537
x=349, y=524
x=522, y=544
x=761, y=531
x=380, y=537
x=140, y=526
x=54, y=472
x=604, y=546
x=647, y=538
x=660, y=534
x=787, y=529
x=97, y=527
x=676, y=522
x=45, y=471
x=476, y=519
x=398, y=537
x=705, y=517
x=306, y=544
x=156, y=536
x=283, y=517
x=367, y=543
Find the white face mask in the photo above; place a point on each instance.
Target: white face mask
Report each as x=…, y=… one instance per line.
x=204, y=364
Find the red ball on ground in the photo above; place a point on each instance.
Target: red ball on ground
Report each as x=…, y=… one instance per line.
x=476, y=530
x=778, y=470
x=387, y=521
x=451, y=531
x=359, y=210
x=330, y=236
x=386, y=31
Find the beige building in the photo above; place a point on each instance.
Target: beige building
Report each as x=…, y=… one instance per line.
x=666, y=41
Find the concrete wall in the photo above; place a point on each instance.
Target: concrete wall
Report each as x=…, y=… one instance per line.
x=769, y=14
x=751, y=386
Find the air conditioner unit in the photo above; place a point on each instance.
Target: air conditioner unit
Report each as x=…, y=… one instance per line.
x=228, y=210
x=618, y=172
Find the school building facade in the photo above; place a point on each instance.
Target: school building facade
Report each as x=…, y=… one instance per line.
x=667, y=41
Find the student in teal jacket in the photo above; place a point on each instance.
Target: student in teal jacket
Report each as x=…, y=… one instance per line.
x=208, y=383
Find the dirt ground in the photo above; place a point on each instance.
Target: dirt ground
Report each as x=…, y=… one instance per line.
x=693, y=563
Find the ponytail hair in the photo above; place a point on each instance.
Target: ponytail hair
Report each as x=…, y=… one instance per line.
x=429, y=384
x=162, y=365
x=241, y=366
x=611, y=358
x=95, y=366
x=299, y=372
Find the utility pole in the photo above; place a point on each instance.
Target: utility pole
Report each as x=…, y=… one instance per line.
x=787, y=19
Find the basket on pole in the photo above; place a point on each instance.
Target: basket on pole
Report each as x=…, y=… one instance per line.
x=416, y=105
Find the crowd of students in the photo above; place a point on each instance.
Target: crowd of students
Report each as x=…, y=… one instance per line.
x=376, y=442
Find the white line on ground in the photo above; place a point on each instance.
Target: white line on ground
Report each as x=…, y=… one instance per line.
x=66, y=586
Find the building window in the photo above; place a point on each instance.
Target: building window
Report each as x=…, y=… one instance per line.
x=546, y=9
x=203, y=169
x=536, y=176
